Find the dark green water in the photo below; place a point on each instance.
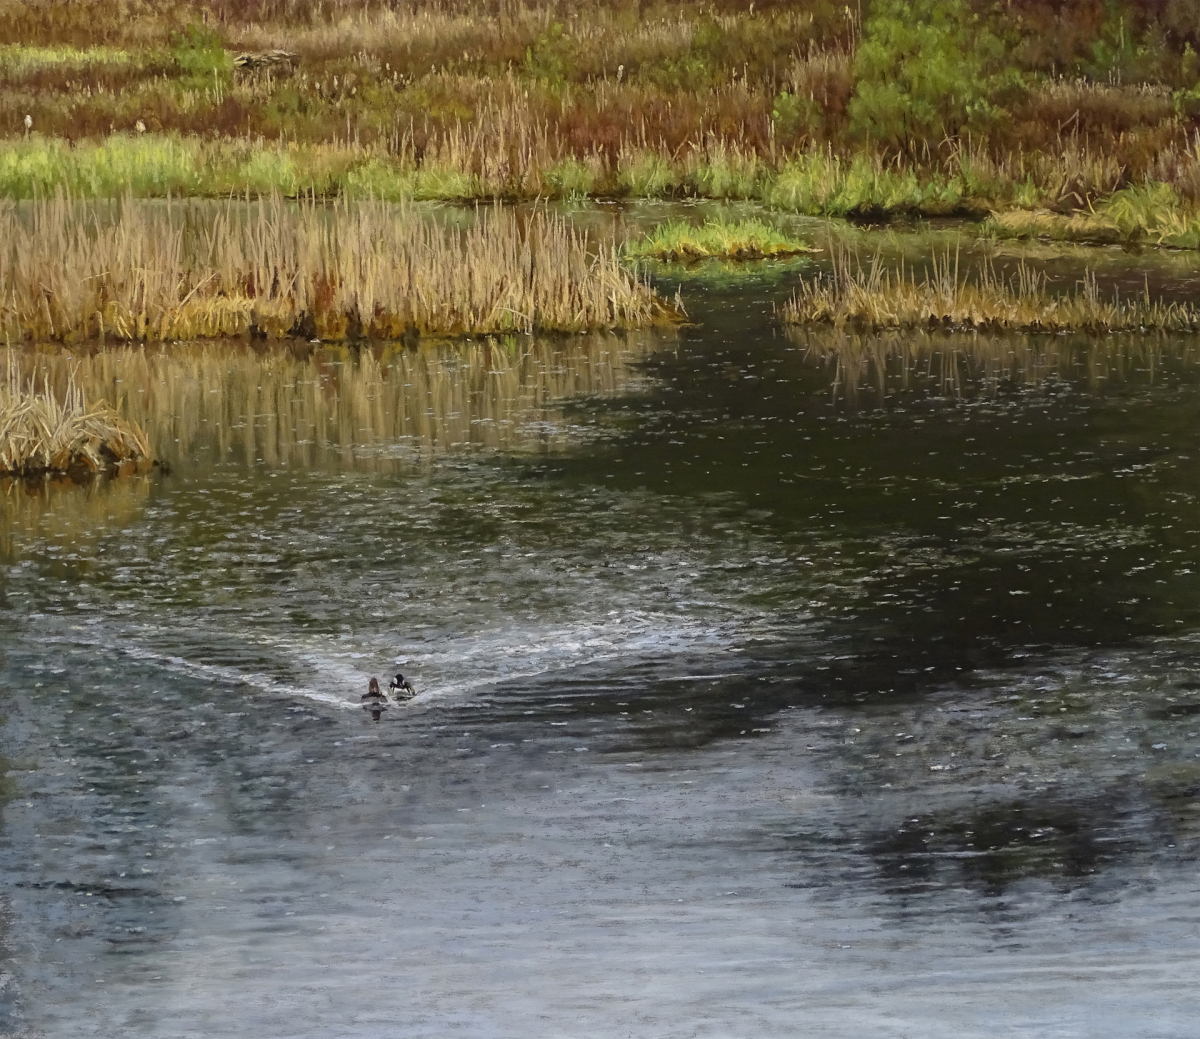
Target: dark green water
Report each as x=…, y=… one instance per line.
x=758, y=686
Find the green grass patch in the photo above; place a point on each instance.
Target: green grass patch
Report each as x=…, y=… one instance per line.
x=677, y=240
x=17, y=60
x=1150, y=214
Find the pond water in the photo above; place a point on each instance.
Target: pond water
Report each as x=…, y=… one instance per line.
x=768, y=685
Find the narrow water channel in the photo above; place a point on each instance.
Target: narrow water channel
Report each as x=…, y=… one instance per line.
x=769, y=685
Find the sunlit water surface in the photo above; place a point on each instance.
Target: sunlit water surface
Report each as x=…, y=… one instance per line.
x=769, y=686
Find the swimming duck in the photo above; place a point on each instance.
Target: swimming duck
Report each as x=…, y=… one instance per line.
x=374, y=700
x=401, y=689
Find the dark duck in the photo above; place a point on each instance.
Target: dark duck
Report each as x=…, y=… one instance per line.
x=401, y=689
x=374, y=701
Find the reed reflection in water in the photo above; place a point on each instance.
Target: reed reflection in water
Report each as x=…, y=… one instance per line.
x=64, y=520
x=375, y=405
x=870, y=367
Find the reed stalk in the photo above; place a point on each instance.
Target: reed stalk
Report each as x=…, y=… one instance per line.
x=875, y=297
x=43, y=432
x=71, y=272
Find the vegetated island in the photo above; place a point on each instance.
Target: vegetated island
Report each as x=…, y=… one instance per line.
x=677, y=240
x=875, y=298
x=866, y=109
x=70, y=272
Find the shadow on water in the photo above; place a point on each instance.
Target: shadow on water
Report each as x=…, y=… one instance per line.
x=993, y=496
x=996, y=846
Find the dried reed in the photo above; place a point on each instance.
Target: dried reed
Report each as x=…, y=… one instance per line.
x=69, y=272
x=878, y=298
x=41, y=432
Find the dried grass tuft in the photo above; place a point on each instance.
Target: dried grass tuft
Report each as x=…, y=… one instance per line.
x=39, y=432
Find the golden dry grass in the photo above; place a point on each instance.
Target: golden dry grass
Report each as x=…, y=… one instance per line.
x=41, y=431
x=878, y=298
x=136, y=271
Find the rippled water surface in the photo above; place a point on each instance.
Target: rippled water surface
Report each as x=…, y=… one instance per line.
x=770, y=685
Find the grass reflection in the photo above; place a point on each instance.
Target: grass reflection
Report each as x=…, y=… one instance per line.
x=63, y=518
x=872, y=367
x=372, y=406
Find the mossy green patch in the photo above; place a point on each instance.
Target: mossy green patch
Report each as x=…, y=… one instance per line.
x=746, y=240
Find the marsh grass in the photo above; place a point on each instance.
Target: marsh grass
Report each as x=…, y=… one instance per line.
x=42, y=431
x=1150, y=214
x=679, y=241
x=875, y=297
x=520, y=99
x=70, y=272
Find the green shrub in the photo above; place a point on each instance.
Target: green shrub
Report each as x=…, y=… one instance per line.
x=200, y=55
x=927, y=70
x=551, y=56
x=1121, y=54
x=570, y=178
x=794, y=115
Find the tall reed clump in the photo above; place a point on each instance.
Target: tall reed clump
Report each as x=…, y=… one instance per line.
x=185, y=271
x=877, y=298
x=39, y=432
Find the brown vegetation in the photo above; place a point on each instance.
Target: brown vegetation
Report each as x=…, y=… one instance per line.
x=69, y=272
x=511, y=99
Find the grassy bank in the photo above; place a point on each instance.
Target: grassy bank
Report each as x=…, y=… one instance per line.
x=925, y=106
x=71, y=272
x=1149, y=214
x=815, y=181
x=41, y=431
x=873, y=298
